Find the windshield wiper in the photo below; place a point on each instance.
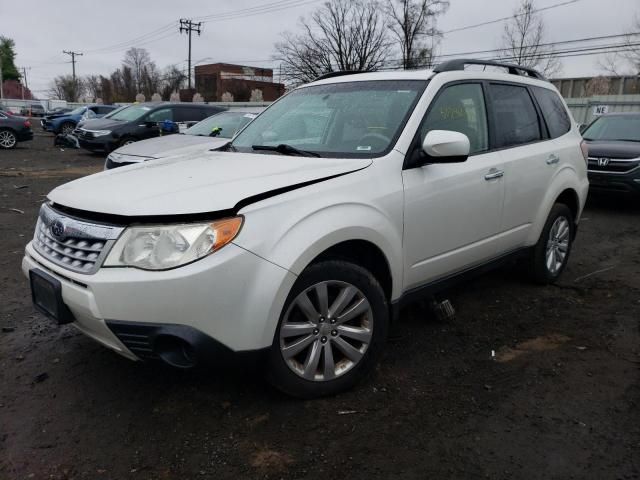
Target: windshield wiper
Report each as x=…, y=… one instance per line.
x=626, y=140
x=285, y=149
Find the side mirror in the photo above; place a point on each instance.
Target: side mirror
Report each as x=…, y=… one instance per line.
x=582, y=127
x=150, y=124
x=446, y=146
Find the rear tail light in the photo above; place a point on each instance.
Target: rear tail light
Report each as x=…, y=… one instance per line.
x=27, y=123
x=585, y=151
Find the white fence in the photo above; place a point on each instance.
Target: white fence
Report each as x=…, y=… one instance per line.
x=584, y=110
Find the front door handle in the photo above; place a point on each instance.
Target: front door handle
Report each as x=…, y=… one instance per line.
x=552, y=159
x=494, y=173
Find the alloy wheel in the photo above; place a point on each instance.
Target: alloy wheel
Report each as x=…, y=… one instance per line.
x=67, y=129
x=7, y=139
x=326, y=330
x=558, y=245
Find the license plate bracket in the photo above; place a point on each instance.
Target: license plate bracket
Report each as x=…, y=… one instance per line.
x=46, y=294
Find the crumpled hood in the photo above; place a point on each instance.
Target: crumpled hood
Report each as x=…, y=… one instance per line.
x=205, y=182
x=169, y=145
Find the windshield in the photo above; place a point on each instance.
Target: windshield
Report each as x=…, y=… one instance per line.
x=130, y=113
x=78, y=111
x=113, y=112
x=222, y=125
x=351, y=119
x=615, y=127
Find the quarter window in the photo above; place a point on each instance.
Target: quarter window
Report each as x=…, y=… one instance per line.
x=516, y=119
x=558, y=121
x=460, y=108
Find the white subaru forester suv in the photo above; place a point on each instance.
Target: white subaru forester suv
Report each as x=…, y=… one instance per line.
x=301, y=239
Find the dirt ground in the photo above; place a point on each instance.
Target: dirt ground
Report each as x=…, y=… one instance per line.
x=560, y=399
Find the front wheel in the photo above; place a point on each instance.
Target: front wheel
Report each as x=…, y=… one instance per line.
x=127, y=141
x=551, y=254
x=67, y=128
x=332, y=330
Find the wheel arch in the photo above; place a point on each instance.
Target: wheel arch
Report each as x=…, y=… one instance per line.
x=565, y=188
x=365, y=254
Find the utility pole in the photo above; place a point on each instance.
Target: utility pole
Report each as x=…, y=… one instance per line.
x=24, y=83
x=187, y=26
x=73, y=61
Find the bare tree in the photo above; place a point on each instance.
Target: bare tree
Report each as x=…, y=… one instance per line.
x=413, y=24
x=172, y=80
x=626, y=61
x=65, y=87
x=340, y=35
x=523, y=39
x=597, y=86
x=93, y=86
x=138, y=60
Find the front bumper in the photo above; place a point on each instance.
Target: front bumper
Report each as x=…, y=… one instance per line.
x=232, y=296
x=621, y=183
x=98, y=144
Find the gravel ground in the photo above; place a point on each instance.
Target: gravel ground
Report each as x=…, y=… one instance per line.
x=559, y=400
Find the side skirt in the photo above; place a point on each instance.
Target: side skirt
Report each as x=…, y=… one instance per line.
x=430, y=289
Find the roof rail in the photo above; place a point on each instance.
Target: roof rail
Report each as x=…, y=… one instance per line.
x=459, y=64
x=339, y=73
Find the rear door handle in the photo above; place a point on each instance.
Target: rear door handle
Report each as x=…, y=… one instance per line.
x=494, y=173
x=553, y=158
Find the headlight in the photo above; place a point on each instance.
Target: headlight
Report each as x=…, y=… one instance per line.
x=168, y=246
x=100, y=133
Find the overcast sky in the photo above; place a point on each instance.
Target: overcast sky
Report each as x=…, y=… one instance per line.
x=43, y=28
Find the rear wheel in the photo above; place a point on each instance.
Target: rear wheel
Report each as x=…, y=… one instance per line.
x=332, y=330
x=551, y=254
x=8, y=139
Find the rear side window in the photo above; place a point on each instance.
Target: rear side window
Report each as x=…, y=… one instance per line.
x=558, y=121
x=515, y=117
x=187, y=114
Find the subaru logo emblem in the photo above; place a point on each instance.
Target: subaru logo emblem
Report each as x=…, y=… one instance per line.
x=603, y=162
x=57, y=228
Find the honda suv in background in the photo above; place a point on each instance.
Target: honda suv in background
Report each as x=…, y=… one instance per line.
x=210, y=133
x=301, y=239
x=614, y=153
x=139, y=122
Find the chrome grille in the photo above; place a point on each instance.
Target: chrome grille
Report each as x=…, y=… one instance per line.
x=74, y=244
x=613, y=165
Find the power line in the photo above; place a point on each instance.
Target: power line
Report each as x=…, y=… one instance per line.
x=503, y=19
x=257, y=10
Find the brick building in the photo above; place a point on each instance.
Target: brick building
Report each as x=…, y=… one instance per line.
x=13, y=89
x=215, y=79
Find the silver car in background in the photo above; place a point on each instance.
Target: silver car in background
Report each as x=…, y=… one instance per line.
x=212, y=132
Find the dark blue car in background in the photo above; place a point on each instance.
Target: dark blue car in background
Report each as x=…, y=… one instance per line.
x=66, y=122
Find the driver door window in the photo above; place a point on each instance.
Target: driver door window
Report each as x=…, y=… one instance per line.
x=160, y=115
x=460, y=108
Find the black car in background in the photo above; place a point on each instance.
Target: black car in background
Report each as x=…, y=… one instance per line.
x=138, y=122
x=14, y=129
x=614, y=153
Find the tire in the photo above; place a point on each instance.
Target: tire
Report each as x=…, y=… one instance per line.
x=8, y=139
x=127, y=141
x=364, y=333
x=557, y=236
x=66, y=128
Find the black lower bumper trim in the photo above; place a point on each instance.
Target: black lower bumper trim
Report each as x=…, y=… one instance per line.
x=145, y=339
